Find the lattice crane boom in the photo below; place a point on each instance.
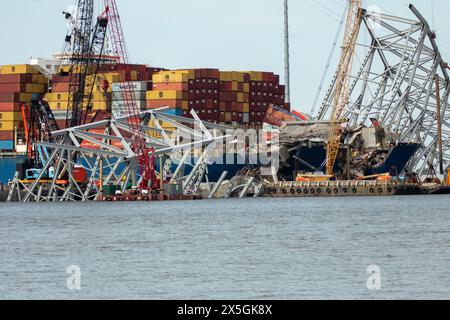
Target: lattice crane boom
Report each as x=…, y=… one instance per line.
x=146, y=163
x=86, y=49
x=342, y=93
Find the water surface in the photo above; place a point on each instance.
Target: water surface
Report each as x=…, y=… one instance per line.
x=311, y=248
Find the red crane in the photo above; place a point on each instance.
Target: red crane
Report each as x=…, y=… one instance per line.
x=146, y=162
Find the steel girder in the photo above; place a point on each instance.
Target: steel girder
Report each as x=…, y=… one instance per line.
x=104, y=150
x=396, y=84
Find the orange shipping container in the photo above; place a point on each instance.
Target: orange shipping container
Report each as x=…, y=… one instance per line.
x=179, y=104
x=60, y=87
x=178, y=86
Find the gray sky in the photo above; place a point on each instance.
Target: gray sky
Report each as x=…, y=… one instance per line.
x=225, y=34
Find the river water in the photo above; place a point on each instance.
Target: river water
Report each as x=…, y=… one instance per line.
x=311, y=248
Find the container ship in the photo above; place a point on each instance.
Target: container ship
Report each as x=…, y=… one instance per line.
x=238, y=99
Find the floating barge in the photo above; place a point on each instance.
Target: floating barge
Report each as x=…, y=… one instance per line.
x=350, y=189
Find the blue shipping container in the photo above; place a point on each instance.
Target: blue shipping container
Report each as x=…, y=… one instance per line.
x=8, y=168
x=173, y=112
x=6, y=145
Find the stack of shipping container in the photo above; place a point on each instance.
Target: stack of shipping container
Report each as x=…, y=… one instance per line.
x=104, y=98
x=19, y=84
x=265, y=90
x=234, y=98
x=237, y=98
x=138, y=90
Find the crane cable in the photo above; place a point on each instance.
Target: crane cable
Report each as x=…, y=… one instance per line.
x=327, y=66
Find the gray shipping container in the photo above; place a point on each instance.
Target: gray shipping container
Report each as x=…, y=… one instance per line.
x=246, y=118
x=135, y=86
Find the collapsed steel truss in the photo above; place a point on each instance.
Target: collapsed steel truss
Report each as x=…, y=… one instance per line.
x=109, y=157
x=401, y=81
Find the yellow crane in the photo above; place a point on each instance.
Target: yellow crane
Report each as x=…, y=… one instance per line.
x=342, y=94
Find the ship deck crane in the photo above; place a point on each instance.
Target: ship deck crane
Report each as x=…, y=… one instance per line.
x=342, y=93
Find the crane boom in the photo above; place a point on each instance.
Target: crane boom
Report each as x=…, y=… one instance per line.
x=146, y=163
x=87, y=46
x=342, y=94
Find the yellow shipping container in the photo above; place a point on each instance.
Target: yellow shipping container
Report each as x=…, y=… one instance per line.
x=240, y=97
x=10, y=125
x=165, y=95
x=234, y=86
x=226, y=76
x=90, y=69
x=246, y=108
x=165, y=125
x=190, y=73
x=58, y=105
x=26, y=97
x=134, y=75
x=39, y=79
x=18, y=69
x=99, y=105
x=246, y=87
x=10, y=116
x=238, y=76
x=57, y=97
x=110, y=77
x=170, y=78
x=256, y=76
x=36, y=88
x=97, y=96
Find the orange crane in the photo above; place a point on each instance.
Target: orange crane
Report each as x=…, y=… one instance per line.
x=342, y=93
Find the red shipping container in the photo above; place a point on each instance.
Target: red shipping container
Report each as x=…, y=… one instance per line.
x=268, y=76
x=6, y=135
x=10, y=106
x=9, y=97
x=276, y=78
x=16, y=78
x=209, y=104
x=210, y=73
x=13, y=87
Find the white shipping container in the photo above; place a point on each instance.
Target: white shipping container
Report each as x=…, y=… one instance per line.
x=141, y=104
x=120, y=109
x=137, y=95
x=61, y=114
x=121, y=112
x=133, y=85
